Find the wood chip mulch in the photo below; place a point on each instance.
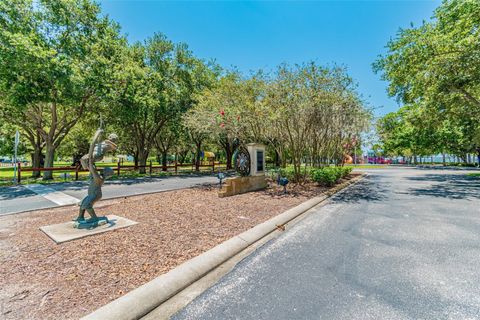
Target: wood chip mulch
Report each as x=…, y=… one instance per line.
x=42, y=280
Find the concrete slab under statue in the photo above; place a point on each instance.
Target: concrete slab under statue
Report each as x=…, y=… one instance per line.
x=249, y=162
x=63, y=232
x=82, y=227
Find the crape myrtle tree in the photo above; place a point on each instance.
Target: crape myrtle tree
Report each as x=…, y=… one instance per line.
x=230, y=112
x=157, y=82
x=438, y=65
x=55, y=63
x=306, y=113
x=220, y=111
x=313, y=111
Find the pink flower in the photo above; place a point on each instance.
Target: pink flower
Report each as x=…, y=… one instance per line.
x=222, y=124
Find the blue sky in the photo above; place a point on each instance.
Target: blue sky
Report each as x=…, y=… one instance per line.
x=252, y=35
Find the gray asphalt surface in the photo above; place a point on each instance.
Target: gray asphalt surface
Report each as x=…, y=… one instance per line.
x=402, y=244
x=19, y=199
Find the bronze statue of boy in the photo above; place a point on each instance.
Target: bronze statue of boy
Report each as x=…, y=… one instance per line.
x=100, y=149
x=94, y=188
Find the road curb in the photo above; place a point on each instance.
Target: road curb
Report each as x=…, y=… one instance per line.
x=140, y=301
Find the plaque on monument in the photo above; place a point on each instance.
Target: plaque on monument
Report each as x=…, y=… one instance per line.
x=259, y=160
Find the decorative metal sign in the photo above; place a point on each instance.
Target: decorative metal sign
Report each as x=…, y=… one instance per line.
x=241, y=160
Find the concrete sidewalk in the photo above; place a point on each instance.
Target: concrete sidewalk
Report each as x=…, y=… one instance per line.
x=36, y=196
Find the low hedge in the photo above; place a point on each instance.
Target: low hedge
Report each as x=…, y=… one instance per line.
x=289, y=173
x=329, y=176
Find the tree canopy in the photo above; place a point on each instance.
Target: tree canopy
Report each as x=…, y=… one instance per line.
x=66, y=68
x=434, y=69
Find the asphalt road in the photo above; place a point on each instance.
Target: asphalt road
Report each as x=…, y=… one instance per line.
x=19, y=199
x=402, y=244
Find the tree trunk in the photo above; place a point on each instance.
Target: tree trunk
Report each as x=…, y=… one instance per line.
x=36, y=160
x=49, y=161
x=197, y=156
x=135, y=161
x=164, y=161
x=142, y=161
x=181, y=157
x=278, y=161
x=444, y=160
x=228, y=156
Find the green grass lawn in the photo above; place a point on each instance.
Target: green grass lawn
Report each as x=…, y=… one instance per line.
x=474, y=175
x=367, y=166
x=6, y=174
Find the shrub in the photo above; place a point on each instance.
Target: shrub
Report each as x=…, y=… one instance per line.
x=289, y=173
x=329, y=176
x=346, y=171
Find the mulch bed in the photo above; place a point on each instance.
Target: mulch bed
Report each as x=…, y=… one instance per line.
x=42, y=280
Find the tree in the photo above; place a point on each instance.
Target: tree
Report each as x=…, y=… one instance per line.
x=55, y=63
x=437, y=65
x=223, y=109
x=77, y=143
x=417, y=130
x=158, y=80
x=167, y=139
x=198, y=133
x=312, y=110
x=438, y=60
x=7, y=141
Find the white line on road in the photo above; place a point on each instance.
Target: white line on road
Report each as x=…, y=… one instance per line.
x=53, y=195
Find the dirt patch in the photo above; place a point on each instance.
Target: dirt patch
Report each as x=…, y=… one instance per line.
x=42, y=280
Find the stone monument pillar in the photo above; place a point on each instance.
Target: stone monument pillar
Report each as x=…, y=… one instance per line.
x=250, y=163
x=257, y=159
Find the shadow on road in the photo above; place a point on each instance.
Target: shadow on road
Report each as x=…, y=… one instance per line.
x=139, y=180
x=446, y=168
x=365, y=190
x=15, y=192
x=447, y=186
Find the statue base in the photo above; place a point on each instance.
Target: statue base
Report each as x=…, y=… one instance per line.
x=90, y=223
x=63, y=232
